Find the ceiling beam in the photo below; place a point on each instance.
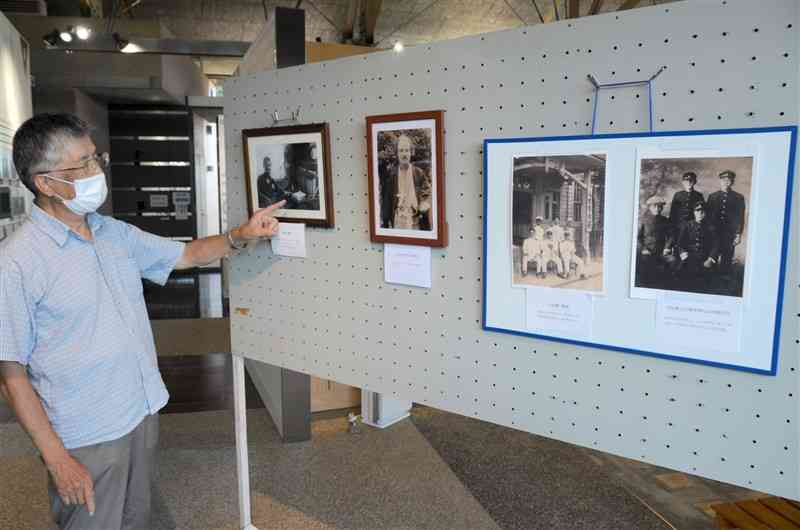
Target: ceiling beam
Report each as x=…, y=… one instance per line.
x=629, y=4
x=573, y=9
x=350, y=21
x=372, y=10
x=595, y=7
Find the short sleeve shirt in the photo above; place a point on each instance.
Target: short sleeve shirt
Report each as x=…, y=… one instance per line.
x=72, y=312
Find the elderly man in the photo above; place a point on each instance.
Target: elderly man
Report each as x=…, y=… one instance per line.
x=410, y=188
x=77, y=358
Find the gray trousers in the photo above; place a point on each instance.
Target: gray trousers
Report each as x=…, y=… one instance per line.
x=123, y=471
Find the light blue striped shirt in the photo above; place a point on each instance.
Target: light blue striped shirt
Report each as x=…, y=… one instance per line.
x=72, y=311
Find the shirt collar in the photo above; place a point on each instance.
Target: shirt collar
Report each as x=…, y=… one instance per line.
x=58, y=230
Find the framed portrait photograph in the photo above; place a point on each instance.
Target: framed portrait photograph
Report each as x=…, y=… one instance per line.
x=292, y=164
x=406, y=178
x=691, y=224
x=557, y=219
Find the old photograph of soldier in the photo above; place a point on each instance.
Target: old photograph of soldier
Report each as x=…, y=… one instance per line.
x=691, y=225
x=558, y=219
x=290, y=164
x=406, y=181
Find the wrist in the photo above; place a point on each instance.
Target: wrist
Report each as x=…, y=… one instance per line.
x=54, y=455
x=235, y=239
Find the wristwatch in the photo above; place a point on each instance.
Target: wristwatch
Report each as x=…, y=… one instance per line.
x=232, y=243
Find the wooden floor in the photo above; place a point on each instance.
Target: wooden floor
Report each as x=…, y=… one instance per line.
x=198, y=383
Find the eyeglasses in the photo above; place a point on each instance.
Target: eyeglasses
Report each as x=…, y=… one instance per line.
x=93, y=163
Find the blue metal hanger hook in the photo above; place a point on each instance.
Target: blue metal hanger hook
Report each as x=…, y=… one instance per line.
x=598, y=87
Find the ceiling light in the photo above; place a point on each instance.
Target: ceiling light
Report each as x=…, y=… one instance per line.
x=66, y=36
x=51, y=39
x=126, y=46
x=398, y=46
x=83, y=32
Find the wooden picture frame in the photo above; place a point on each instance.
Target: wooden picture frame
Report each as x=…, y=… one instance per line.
x=414, y=140
x=291, y=160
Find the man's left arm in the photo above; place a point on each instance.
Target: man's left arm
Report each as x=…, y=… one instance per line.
x=199, y=252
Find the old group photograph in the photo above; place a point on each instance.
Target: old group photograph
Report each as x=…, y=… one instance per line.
x=691, y=225
x=557, y=221
x=406, y=181
x=283, y=165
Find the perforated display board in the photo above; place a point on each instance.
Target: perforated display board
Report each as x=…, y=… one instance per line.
x=729, y=64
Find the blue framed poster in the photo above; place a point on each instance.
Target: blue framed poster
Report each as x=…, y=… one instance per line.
x=669, y=244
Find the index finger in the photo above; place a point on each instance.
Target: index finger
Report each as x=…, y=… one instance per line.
x=271, y=208
x=88, y=492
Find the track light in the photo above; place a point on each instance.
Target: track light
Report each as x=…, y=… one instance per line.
x=51, y=39
x=398, y=46
x=82, y=32
x=126, y=46
x=66, y=36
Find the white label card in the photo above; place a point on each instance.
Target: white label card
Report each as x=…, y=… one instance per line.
x=290, y=240
x=559, y=312
x=407, y=265
x=704, y=325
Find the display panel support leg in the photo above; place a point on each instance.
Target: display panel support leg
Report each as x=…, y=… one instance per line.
x=242, y=457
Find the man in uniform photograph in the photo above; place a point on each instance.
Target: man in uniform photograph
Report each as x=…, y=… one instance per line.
x=532, y=251
x=697, y=247
x=558, y=230
x=550, y=255
x=408, y=196
x=726, y=212
x=569, y=256
x=683, y=202
x=653, y=241
x=277, y=187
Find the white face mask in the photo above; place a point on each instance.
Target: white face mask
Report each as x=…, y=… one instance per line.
x=90, y=194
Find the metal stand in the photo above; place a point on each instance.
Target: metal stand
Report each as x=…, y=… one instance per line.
x=598, y=87
x=242, y=457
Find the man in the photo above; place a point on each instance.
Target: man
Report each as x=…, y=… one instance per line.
x=683, y=202
x=532, y=251
x=570, y=257
x=272, y=189
x=697, y=246
x=538, y=228
x=77, y=359
x=653, y=241
x=558, y=231
x=408, y=192
x=550, y=255
x=726, y=212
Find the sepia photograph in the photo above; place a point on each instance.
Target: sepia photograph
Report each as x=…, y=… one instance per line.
x=691, y=229
x=557, y=221
x=291, y=164
x=406, y=179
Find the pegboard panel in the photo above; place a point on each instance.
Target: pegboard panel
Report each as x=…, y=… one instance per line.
x=729, y=64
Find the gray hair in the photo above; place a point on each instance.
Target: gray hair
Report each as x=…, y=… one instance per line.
x=40, y=142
